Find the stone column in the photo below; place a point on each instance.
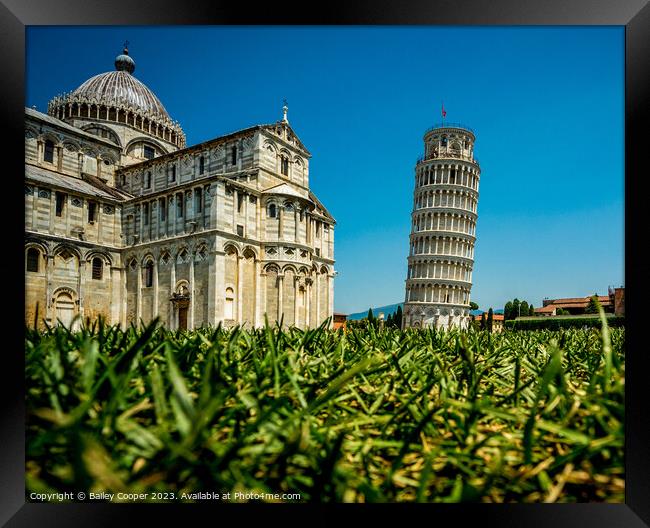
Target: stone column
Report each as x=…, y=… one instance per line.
x=190, y=314
x=123, y=295
x=212, y=300
x=154, y=312
x=318, y=315
x=49, y=308
x=220, y=285
x=235, y=198
x=171, y=215
x=264, y=286
x=246, y=198
x=172, y=288
x=138, y=310
x=240, y=289
x=115, y=295
x=280, y=295
x=258, y=295
x=141, y=232
x=296, y=293
x=295, y=224
x=307, y=301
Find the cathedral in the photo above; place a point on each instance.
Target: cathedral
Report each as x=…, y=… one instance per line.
x=125, y=222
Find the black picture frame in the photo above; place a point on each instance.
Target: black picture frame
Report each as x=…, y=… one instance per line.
x=633, y=14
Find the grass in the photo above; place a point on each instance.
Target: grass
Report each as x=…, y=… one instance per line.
x=363, y=416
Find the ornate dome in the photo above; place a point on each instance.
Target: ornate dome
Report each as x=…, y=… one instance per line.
x=119, y=96
x=120, y=88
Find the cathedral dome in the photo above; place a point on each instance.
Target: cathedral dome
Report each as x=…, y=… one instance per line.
x=118, y=96
x=120, y=88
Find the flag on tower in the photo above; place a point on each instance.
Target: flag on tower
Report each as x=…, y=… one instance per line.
x=444, y=114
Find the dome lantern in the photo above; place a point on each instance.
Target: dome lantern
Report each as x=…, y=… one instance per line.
x=124, y=62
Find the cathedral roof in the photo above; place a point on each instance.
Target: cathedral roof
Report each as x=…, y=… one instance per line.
x=90, y=186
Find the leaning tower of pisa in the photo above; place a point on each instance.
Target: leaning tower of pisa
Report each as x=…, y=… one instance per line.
x=443, y=230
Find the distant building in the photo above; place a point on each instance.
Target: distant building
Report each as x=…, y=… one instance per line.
x=614, y=302
x=340, y=321
x=497, y=322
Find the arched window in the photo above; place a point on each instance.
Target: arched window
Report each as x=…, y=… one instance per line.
x=148, y=274
x=201, y=165
x=230, y=301
x=272, y=211
x=98, y=268
x=443, y=141
x=284, y=166
x=48, y=153
x=33, y=256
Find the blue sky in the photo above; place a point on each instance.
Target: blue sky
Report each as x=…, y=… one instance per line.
x=546, y=104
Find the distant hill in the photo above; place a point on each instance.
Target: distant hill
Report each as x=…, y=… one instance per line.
x=388, y=309
x=392, y=308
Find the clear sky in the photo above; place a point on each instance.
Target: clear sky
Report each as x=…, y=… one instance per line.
x=546, y=104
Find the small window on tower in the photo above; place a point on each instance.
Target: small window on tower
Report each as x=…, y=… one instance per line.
x=148, y=180
x=285, y=166
x=201, y=165
x=145, y=213
x=240, y=230
x=172, y=173
x=233, y=155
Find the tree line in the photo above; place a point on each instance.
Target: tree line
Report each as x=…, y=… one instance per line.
x=517, y=308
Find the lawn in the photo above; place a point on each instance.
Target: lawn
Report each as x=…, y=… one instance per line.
x=367, y=415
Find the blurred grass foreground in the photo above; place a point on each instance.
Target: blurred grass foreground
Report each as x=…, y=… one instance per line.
x=366, y=415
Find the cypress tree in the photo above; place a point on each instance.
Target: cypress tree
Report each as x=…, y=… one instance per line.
x=507, y=311
x=398, y=317
x=490, y=319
